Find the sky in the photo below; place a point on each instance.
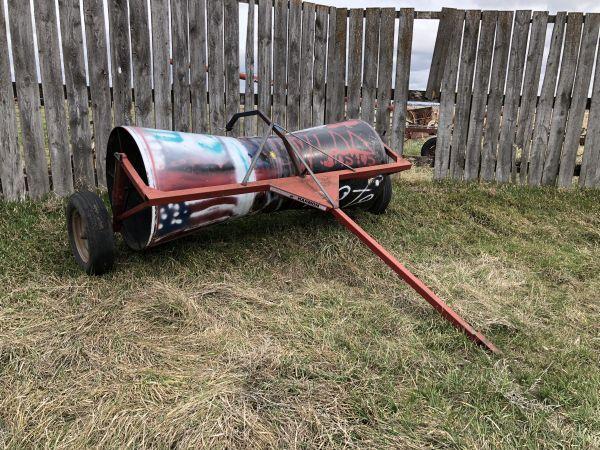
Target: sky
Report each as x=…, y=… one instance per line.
x=424, y=30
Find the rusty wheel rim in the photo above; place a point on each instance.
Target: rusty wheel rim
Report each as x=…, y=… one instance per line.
x=81, y=242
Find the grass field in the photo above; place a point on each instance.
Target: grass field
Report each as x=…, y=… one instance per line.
x=283, y=331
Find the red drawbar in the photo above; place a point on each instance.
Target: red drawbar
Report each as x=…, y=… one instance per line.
x=413, y=281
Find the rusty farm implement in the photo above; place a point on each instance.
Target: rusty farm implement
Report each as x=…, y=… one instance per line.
x=165, y=184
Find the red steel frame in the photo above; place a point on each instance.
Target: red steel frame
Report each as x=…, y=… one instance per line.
x=304, y=190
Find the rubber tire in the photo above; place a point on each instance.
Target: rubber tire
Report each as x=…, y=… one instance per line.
x=98, y=230
x=380, y=204
x=428, y=147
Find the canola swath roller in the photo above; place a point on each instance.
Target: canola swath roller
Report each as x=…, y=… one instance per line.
x=164, y=184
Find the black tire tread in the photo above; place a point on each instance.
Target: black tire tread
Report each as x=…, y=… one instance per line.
x=381, y=203
x=98, y=229
x=428, y=145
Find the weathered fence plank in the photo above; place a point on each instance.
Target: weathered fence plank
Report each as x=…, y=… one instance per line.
x=336, y=66
x=369, y=88
x=140, y=54
x=181, y=64
x=440, y=52
x=531, y=82
x=293, y=65
x=77, y=95
x=197, y=24
x=216, y=69
x=355, y=43
x=591, y=151
x=330, y=80
x=121, y=65
x=161, y=66
x=265, y=11
x=494, y=109
x=384, y=73
x=403, y=60
x=320, y=51
x=11, y=164
x=543, y=112
x=506, y=149
x=448, y=87
x=480, y=93
x=99, y=82
x=54, y=100
x=563, y=98
x=581, y=88
x=249, y=122
x=306, y=65
x=280, y=15
x=29, y=98
x=466, y=73
x=232, y=62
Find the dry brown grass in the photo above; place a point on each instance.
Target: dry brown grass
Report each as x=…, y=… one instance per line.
x=282, y=331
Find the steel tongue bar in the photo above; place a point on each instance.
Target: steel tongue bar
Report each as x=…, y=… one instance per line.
x=414, y=282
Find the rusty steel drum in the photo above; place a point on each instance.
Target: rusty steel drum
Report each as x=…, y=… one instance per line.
x=170, y=160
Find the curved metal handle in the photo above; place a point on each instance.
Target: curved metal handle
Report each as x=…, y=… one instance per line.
x=237, y=116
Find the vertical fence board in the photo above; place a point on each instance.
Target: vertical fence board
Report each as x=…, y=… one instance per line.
x=306, y=64
x=341, y=30
x=161, y=66
x=232, y=62
x=54, y=101
x=280, y=15
x=494, y=109
x=563, y=98
x=355, y=43
x=216, y=70
x=293, y=82
x=121, y=65
x=330, y=79
x=265, y=11
x=591, y=151
x=581, y=88
x=181, y=64
x=442, y=153
x=28, y=98
x=11, y=165
x=249, y=122
x=543, y=113
x=197, y=20
x=385, y=70
x=336, y=66
x=463, y=100
x=77, y=95
x=440, y=52
x=403, y=55
x=140, y=54
x=531, y=82
x=480, y=92
x=369, y=88
x=99, y=82
x=506, y=149
x=320, y=51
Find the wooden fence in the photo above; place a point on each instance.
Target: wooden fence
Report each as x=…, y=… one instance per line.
x=314, y=64
x=496, y=122
x=192, y=83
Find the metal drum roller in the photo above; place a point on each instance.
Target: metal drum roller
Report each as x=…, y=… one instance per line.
x=170, y=160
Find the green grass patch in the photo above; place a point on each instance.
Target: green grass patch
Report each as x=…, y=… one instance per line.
x=283, y=331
